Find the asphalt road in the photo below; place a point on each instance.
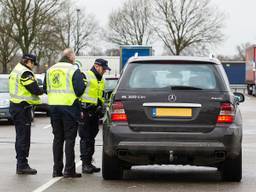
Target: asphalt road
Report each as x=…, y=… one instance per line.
x=139, y=179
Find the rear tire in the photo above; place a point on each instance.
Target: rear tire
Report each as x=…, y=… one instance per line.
x=249, y=90
x=32, y=114
x=231, y=169
x=111, y=167
x=253, y=90
x=10, y=121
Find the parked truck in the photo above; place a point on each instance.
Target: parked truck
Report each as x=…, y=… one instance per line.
x=116, y=63
x=235, y=71
x=250, y=78
x=128, y=51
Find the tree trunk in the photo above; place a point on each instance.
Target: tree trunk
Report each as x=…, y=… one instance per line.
x=4, y=68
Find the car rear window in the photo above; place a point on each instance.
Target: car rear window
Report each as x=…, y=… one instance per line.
x=179, y=76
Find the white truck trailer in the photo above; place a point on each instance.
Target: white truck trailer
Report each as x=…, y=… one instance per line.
x=113, y=62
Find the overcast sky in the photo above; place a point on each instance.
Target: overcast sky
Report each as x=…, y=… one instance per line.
x=240, y=22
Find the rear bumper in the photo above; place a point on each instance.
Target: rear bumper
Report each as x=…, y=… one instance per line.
x=203, y=148
x=173, y=146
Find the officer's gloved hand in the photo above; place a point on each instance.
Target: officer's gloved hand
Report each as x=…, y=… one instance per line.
x=100, y=112
x=88, y=108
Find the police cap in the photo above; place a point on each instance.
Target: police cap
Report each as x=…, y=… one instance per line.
x=103, y=63
x=31, y=57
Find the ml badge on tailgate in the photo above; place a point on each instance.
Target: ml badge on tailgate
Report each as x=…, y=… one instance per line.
x=133, y=97
x=217, y=98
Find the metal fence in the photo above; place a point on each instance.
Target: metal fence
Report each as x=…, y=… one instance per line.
x=239, y=88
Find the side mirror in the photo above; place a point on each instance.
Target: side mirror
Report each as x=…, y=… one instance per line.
x=239, y=97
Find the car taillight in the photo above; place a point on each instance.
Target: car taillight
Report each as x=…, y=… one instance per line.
x=118, y=112
x=227, y=113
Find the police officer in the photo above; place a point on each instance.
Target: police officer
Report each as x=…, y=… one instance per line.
x=92, y=107
x=64, y=84
x=24, y=92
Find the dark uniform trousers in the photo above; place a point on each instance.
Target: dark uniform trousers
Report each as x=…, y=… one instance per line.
x=21, y=114
x=87, y=132
x=64, y=121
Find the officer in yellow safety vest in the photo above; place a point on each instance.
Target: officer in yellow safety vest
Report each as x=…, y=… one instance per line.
x=64, y=85
x=24, y=92
x=92, y=109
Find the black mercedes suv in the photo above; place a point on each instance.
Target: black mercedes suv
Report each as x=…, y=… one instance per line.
x=173, y=110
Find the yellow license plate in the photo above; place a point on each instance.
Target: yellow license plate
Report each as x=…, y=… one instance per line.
x=173, y=112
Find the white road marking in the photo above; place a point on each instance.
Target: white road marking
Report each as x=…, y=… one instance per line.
x=53, y=180
x=47, y=126
x=251, y=145
x=249, y=132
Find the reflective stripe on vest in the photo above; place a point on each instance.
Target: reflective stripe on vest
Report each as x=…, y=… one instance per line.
x=17, y=90
x=60, y=88
x=94, y=89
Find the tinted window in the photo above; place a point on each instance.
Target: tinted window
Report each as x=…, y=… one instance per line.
x=40, y=82
x=4, y=85
x=110, y=84
x=201, y=76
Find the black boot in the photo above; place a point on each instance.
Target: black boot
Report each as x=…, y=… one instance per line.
x=27, y=171
x=95, y=169
x=57, y=174
x=89, y=168
x=72, y=175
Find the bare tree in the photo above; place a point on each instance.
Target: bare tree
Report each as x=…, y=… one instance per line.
x=86, y=29
x=239, y=56
x=29, y=17
x=76, y=28
x=47, y=45
x=65, y=22
x=225, y=58
x=241, y=51
x=112, y=52
x=95, y=51
x=130, y=25
x=8, y=47
x=188, y=24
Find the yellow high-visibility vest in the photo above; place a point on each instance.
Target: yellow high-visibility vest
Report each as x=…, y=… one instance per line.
x=60, y=88
x=94, y=89
x=17, y=89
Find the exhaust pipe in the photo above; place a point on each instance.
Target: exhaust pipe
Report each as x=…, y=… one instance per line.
x=220, y=154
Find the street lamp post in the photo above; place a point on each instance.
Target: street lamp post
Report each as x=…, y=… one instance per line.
x=77, y=31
